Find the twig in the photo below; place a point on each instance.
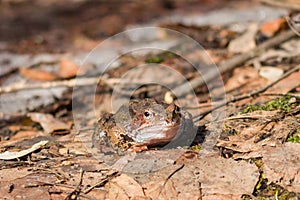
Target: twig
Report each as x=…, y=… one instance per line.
x=76, y=192
x=282, y=4
x=67, y=83
x=100, y=182
x=252, y=94
x=229, y=64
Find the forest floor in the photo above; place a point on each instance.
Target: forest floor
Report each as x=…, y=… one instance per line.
x=233, y=66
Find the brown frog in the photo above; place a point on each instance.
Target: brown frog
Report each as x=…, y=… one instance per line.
x=141, y=124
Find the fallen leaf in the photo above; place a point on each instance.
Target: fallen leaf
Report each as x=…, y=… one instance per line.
x=206, y=176
x=245, y=42
x=22, y=135
x=13, y=173
x=37, y=74
x=286, y=85
x=281, y=165
x=225, y=176
x=49, y=123
x=124, y=187
x=13, y=155
x=270, y=28
x=25, y=187
x=270, y=73
x=161, y=191
x=221, y=197
x=67, y=68
x=243, y=76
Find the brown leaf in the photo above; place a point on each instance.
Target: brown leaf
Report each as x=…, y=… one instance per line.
x=13, y=173
x=222, y=197
x=37, y=74
x=270, y=28
x=286, y=85
x=281, y=165
x=124, y=187
x=67, y=68
x=49, y=123
x=225, y=176
x=157, y=190
x=245, y=42
x=22, y=188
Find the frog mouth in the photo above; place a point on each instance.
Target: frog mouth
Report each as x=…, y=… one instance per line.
x=152, y=135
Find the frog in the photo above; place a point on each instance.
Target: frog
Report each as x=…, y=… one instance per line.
x=145, y=123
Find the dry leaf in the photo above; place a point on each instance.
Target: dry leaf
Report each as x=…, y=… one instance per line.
x=50, y=124
x=270, y=73
x=222, y=197
x=270, y=28
x=286, y=85
x=13, y=173
x=67, y=68
x=157, y=190
x=182, y=185
x=281, y=165
x=245, y=42
x=225, y=176
x=37, y=74
x=13, y=155
x=243, y=76
x=24, y=187
x=124, y=187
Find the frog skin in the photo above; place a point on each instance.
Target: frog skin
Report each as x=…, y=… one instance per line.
x=141, y=124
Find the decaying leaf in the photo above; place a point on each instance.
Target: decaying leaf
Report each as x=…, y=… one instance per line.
x=161, y=191
x=124, y=187
x=67, y=68
x=270, y=28
x=13, y=173
x=270, y=73
x=286, y=85
x=37, y=74
x=245, y=42
x=225, y=176
x=49, y=123
x=13, y=155
x=281, y=165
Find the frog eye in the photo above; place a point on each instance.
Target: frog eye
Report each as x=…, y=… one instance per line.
x=147, y=114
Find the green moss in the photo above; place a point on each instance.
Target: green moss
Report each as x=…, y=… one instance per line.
x=282, y=103
x=294, y=139
x=196, y=147
x=160, y=57
x=261, y=181
x=154, y=59
x=271, y=191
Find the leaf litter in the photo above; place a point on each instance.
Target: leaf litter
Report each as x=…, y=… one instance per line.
x=66, y=169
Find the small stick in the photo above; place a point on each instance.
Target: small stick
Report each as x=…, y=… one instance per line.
x=100, y=182
x=282, y=4
x=67, y=83
x=76, y=192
